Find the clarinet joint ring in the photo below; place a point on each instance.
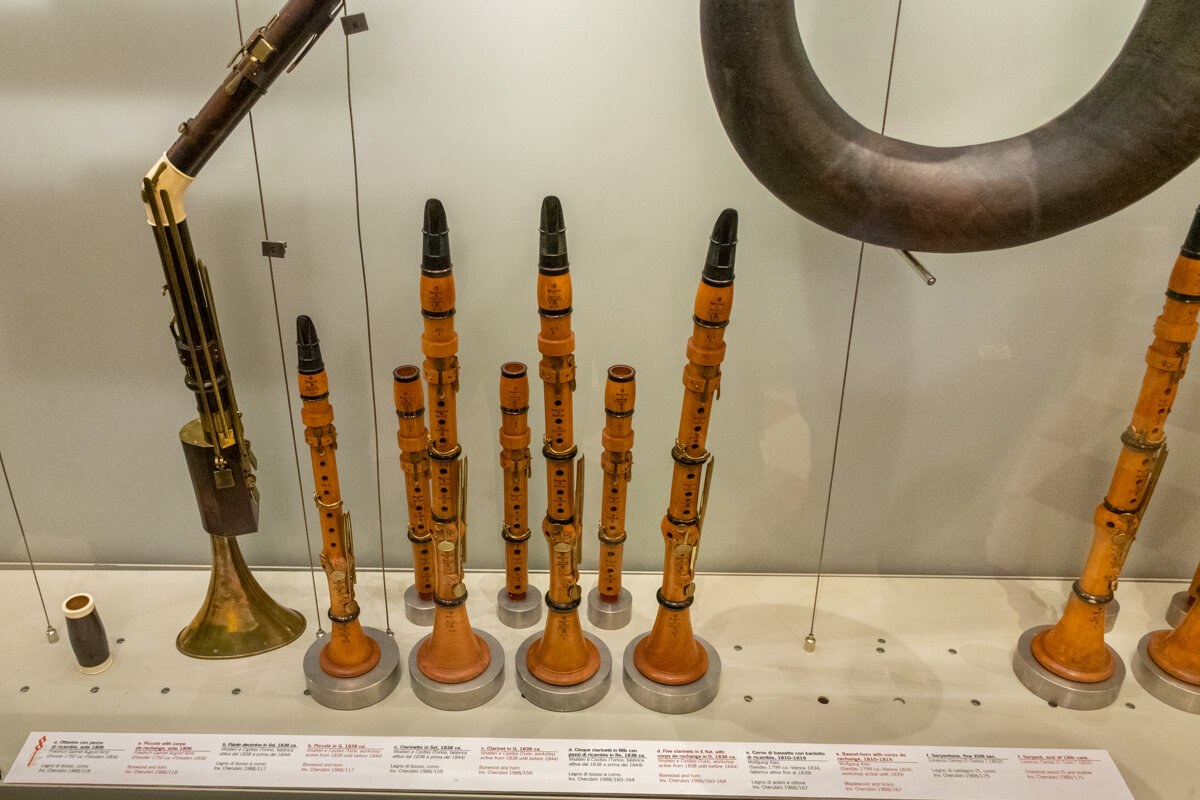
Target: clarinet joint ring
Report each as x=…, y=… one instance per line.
x=1091, y=599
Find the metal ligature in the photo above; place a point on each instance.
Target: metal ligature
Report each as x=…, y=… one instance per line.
x=671, y=669
x=238, y=618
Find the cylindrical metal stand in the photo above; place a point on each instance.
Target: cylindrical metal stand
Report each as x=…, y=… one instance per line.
x=418, y=611
x=666, y=699
x=564, y=698
x=609, y=616
x=459, y=696
x=1165, y=687
x=1178, y=608
x=1061, y=691
x=519, y=613
x=349, y=694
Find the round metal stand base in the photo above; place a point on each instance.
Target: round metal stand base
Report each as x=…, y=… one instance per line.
x=459, y=696
x=1062, y=691
x=609, y=616
x=349, y=694
x=1164, y=686
x=564, y=698
x=1111, y=611
x=666, y=699
x=418, y=611
x=519, y=613
x=1178, y=609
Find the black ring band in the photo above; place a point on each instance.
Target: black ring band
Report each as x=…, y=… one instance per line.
x=674, y=605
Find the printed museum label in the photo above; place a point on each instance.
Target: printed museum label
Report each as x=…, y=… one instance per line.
x=595, y=767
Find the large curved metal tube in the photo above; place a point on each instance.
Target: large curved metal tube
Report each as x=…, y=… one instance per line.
x=1137, y=128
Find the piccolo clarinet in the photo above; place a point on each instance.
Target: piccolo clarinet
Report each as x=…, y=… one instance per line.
x=561, y=656
x=518, y=604
x=238, y=618
x=453, y=654
x=1069, y=663
x=671, y=655
x=610, y=605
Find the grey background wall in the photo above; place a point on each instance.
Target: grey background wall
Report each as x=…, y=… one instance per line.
x=981, y=415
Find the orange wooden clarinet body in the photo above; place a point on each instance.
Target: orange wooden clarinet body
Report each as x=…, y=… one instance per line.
x=562, y=656
x=453, y=653
x=1074, y=647
x=515, y=465
x=670, y=654
x=413, y=439
x=349, y=652
x=617, y=463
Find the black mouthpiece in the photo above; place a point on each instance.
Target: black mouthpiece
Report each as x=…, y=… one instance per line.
x=718, y=266
x=1191, y=245
x=308, y=347
x=552, y=253
x=435, y=245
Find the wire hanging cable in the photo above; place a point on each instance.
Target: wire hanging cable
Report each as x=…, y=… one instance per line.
x=51, y=633
x=287, y=392
x=810, y=641
x=362, y=261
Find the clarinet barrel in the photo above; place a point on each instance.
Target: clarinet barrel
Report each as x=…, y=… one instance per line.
x=610, y=605
x=670, y=669
x=357, y=666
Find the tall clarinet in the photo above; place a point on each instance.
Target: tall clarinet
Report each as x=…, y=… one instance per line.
x=1069, y=663
x=518, y=605
x=610, y=605
x=671, y=669
x=339, y=671
x=562, y=669
x=237, y=618
x=455, y=667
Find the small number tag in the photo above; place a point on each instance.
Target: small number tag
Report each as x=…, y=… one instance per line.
x=354, y=23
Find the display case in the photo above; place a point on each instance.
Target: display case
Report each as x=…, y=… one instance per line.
x=871, y=428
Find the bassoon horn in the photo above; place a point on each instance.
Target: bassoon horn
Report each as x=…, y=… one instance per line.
x=561, y=656
x=610, y=605
x=456, y=667
x=351, y=652
x=237, y=618
x=671, y=655
x=1069, y=663
x=518, y=605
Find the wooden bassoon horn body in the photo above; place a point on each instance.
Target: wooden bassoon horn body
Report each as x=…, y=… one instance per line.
x=562, y=656
x=670, y=654
x=1073, y=649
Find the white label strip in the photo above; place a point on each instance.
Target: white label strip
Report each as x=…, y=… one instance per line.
x=598, y=767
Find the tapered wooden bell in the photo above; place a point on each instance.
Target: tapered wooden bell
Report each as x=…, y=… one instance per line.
x=1177, y=652
x=562, y=656
x=671, y=654
x=453, y=653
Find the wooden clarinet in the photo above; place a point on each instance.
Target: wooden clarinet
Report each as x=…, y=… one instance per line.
x=453, y=653
x=562, y=656
x=671, y=654
x=238, y=618
x=413, y=438
x=610, y=605
x=1069, y=663
x=518, y=604
x=349, y=652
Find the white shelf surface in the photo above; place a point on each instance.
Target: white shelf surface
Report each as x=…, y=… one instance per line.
x=899, y=660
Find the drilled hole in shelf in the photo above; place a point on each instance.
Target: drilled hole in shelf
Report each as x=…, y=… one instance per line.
x=307, y=693
x=952, y=651
x=882, y=641
x=748, y=698
x=95, y=689
x=823, y=700
x=236, y=691
x=976, y=703
x=899, y=700
x=121, y=640
x=880, y=650
x=24, y=688
x=1052, y=704
x=737, y=647
x=165, y=690
x=1130, y=705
